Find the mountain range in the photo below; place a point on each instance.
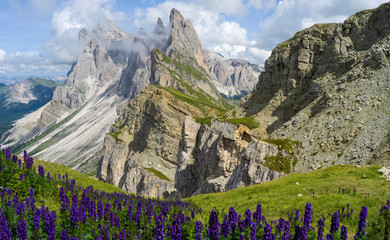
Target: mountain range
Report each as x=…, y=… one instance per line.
x=153, y=114
x=22, y=98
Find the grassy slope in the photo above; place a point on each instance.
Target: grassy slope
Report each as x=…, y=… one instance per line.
x=279, y=197
x=82, y=180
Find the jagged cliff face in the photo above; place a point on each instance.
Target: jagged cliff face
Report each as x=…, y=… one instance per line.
x=328, y=88
x=145, y=140
x=234, y=78
x=140, y=153
x=222, y=157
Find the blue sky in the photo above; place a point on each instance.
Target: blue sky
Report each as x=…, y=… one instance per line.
x=37, y=37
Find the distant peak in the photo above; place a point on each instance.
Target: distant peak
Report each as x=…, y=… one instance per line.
x=160, y=23
x=175, y=16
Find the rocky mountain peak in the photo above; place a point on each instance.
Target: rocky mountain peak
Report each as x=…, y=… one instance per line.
x=327, y=87
x=160, y=27
x=176, y=18
x=183, y=39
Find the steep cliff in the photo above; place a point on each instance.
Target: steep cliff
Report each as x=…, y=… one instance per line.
x=223, y=156
x=328, y=88
x=140, y=153
x=234, y=78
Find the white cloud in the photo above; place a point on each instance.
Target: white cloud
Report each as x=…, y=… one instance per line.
x=214, y=31
x=229, y=7
x=3, y=54
x=291, y=16
x=74, y=15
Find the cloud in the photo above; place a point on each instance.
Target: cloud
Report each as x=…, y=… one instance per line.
x=74, y=15
x=291, y=16
x=3, y=54
x=215, y=32
x=228, y=7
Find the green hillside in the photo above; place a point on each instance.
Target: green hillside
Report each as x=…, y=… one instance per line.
x=328, y=190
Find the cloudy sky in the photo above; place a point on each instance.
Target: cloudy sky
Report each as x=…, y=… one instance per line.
x=39, y=37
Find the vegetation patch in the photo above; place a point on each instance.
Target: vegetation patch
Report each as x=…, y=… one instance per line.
x=115, y=135
x=158, y=173
x=284, y=144
x=249, y=122
x=278, y=163
x=205, y=120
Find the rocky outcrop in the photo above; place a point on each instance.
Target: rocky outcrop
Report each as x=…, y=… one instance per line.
x=222, y=157
x=234, y=78
x=145, y=142
x=184, y=40
x=327, y=87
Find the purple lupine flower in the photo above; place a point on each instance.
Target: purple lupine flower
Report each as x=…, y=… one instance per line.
x=100, y=209
x=64, y=235
x=165, y=210
x=122, y=235
x=50, y=226
x=329, y=237
x=344, y=233
x=29, y=162
x=21, y=177
x=41, y=171
x=362, y=223
x=64, y=200
x=242, y=237
x=92, y=210
x=335, y=224
x=321, y=227
x=20, y=208
x=20, y=163
x=307, y=216
x=226, y=227
x=257, y=215
x=8, y=153
x=37, y=220
x=296, y=218
x=176, y=233
x=130, y=212
x=279, y=228
x=159, y=229
x=248, y=218
x=5, y=232
x=253, y=231
x=213, y=230
x=286, y=234
x=22, y=229
x=267, y=232
x=107, y=209
x=298, y=232
x=198, y=230
x=232, y=218
x=74, y=213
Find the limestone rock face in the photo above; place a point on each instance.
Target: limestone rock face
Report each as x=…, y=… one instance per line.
x=219, y=158
x=149, y=131
x=327, y=87
x=234, y=78
x=183, y=39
